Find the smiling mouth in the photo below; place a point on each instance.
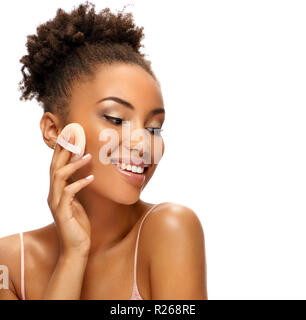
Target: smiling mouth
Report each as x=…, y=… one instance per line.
x=136, y=166
x=132, y=173
x=131, y=168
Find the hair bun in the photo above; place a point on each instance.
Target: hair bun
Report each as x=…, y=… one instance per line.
x=70, y=45
x=78, y=38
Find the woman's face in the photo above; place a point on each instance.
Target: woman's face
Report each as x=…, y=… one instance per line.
x=141, y=108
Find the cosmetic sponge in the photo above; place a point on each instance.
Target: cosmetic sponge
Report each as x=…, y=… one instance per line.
x=78, y=148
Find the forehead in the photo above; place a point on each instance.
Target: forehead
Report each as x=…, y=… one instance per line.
x=130, y=82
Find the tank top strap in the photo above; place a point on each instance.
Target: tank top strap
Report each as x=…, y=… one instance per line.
x=22, y=265
x=137, y=240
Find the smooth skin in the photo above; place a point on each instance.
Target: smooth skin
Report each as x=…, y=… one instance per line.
x=88, y=251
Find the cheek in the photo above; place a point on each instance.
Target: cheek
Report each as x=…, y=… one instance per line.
x=103, y=145
x=101, y=142
x=157, y=150
x=109, y=184
x=163, y=147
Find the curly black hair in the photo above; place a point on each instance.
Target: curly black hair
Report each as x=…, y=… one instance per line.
x=69, y=48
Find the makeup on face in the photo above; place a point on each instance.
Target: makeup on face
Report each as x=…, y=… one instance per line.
x=111, y=112
x=131, y=173
x=116, y=117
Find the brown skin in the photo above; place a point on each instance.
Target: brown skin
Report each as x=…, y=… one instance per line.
x=92, y=256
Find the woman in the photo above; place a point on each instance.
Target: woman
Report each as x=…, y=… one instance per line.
x=85, y=67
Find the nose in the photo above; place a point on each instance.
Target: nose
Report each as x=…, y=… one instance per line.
x=138, y=144
x=135, y=148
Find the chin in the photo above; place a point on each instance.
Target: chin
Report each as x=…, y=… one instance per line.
x=125, y=194
x=128, y=200
x=117, y=191
x=117, y=187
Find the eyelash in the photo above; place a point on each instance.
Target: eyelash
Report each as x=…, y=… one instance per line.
x=109, y=118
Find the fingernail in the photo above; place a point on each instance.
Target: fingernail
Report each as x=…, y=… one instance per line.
x=86, y=156
x=89, y=177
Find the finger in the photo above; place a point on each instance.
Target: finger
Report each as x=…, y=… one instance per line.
x=58, y=148
x=54, y=193
x=63, y=156
x=68, y=196
x=66, y=171
x=56, y=152
x=62, y=175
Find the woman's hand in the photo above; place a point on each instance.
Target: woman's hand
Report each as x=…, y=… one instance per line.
x=71, y=220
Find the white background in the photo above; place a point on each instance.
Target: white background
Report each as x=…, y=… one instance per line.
x=233, y=75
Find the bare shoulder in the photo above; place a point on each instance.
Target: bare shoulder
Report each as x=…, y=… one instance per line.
x=170, y=217
x=10, y=257
x=175, y=240
x=34, y=240
x=9, y=249
x=8, y=245
x=9, y=262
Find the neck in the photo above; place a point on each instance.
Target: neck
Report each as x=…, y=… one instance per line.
x=110, y=221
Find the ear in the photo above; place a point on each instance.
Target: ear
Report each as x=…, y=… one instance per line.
x=50, y=126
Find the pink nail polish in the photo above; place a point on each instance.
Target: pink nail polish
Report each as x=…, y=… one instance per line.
x=86, y=156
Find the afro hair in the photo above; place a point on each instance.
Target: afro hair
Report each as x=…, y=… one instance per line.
x=70, y=46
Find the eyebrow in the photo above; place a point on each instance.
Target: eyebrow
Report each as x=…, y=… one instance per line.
x=130, y=106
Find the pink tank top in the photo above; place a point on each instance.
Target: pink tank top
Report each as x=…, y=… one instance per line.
x=135, y=293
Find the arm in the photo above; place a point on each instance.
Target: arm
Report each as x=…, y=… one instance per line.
x=9, y=250
x=177, y=260
x=73, y=229
x=9, y=293
x=67, y=279
x=72, y=226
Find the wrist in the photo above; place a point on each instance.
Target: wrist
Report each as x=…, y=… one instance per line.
x=74, y=257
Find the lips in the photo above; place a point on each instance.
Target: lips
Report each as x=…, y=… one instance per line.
x=134, y=178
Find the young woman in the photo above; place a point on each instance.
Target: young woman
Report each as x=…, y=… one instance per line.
x=85, y=67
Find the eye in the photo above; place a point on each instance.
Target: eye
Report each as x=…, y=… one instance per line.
x=115, y=121
x=118, y=122
x=155, y=131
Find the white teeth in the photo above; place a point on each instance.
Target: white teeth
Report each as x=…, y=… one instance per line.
x=128, y=167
